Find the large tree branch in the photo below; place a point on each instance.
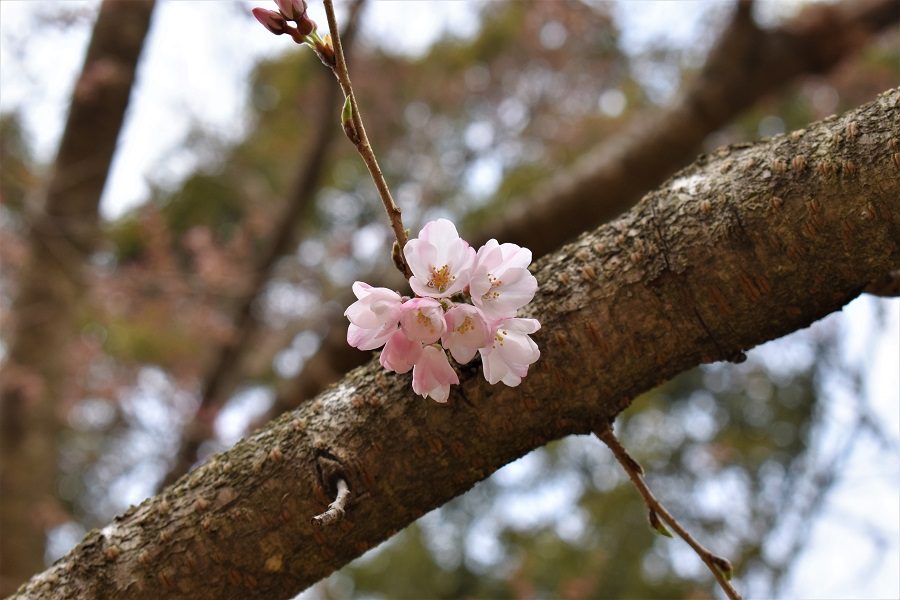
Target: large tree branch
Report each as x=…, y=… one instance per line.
x=745, y=64
x=61, y=236
x=739, y=248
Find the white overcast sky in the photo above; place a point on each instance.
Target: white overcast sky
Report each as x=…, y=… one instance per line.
x=196, y=63
x=194, y=72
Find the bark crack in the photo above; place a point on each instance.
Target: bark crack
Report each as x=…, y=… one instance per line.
x=682, y=287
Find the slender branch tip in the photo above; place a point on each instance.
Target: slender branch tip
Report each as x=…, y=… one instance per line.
x=720, y=567
x=356, y=132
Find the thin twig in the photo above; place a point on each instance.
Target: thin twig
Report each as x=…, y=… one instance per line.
x=336, y=510
x=220, y=378
x=717, y=565
x=361, y=140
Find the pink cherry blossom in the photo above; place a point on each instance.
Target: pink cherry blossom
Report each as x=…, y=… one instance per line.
x=422, y=320
x=440, y=261
x=400, y=353
x=512, y=351
x=466, y=332
x=433, y=375
x=373, y=317
x=501, y=283
x=493, y=283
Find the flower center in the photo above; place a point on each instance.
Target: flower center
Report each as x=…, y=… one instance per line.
x=465, y=326
x=424, y=321
x=441, y=278
x=492, y=294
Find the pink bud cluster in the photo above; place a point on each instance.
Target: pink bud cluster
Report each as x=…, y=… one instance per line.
x=466, y=303
x=303, y=33
x=288, y=10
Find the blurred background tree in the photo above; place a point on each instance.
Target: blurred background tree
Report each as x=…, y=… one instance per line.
x=751, y=454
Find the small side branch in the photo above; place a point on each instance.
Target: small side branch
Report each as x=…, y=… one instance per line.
x=336, y=510
x=720, y=567
x=356, y=133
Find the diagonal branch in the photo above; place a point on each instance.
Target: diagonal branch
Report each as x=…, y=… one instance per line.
x=767, y=250
x=745, y=65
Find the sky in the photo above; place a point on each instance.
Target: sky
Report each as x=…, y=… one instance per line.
x=209, y=91
x=193, y=74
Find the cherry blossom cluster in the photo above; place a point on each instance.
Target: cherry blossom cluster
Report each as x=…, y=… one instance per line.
x=448, y=274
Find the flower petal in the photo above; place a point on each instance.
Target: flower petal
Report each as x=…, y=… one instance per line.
x=400, y=353
x=466, y=332
x=368, y=339
x=433, y=375
x=422, y=320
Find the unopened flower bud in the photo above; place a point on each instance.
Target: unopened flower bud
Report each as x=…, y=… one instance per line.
x=271, y=20
x=293, y=10
x=306, y=25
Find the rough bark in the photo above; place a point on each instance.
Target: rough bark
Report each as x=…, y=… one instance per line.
x=743, y=246
x=745, y=65
x=62, y=234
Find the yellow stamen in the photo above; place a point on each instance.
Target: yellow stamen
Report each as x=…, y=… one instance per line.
x=424, y=321
x=491, y=294
x=466, y=325
x=441, y=278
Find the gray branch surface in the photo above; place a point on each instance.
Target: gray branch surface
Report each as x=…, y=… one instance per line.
x=745, y=245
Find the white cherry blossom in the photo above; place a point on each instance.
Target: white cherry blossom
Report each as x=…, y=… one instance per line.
x=422, y=320
x=512, y=351
x=501, y=283
x=417, y=333
x=467, y=331
x=439, y=259
x=373, y=317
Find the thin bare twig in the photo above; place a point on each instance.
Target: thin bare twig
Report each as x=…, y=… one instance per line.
x=226, y=366
x=718, y=565
x=361, y=141
x=337, y=509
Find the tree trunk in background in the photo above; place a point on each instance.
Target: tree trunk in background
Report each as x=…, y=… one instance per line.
x=740, y=248
x=62, y=234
